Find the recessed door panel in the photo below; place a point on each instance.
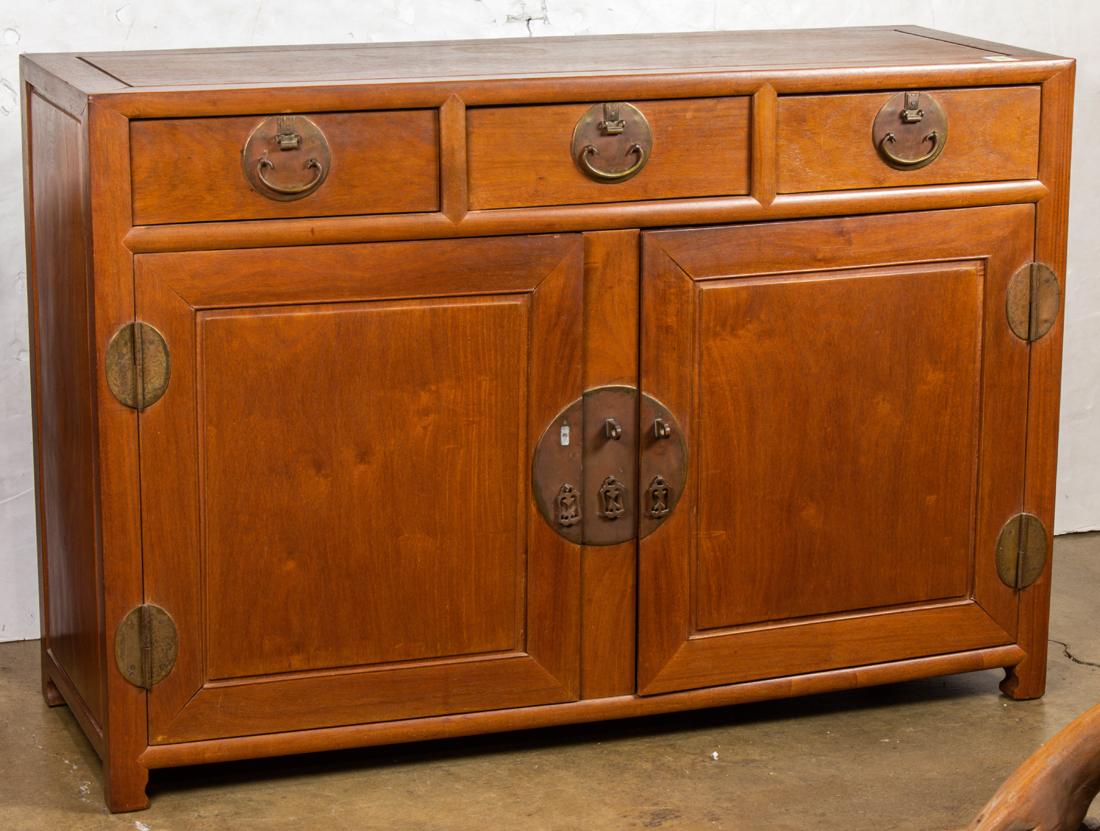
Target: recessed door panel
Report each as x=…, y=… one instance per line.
x=836, y=432
x=362, y=463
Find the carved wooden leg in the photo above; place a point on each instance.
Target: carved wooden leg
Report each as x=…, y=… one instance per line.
x=124, y=777
x=1053, y=789
x=50, y=692
x=1026, y=680
x=124, y=786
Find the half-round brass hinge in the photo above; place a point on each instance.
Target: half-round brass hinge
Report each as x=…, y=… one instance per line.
x=146, y=646
x=138, y=365
x=1034, y=298
x=1022, y=551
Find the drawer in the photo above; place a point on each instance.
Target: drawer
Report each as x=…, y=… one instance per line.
x=190, y=170
x=826, y=143
x=523, y=156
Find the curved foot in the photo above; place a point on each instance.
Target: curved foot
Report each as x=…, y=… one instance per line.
x=1026, y=680
x=50, y=692
x=124, y=788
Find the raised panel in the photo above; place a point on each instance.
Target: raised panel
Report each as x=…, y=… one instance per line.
x=64, y=422
x=835, y=441
x=362, y=464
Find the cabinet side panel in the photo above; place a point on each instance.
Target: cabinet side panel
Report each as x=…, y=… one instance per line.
x=64, y=427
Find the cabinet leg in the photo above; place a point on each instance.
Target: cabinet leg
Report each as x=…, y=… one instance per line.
x=50, y=692
x=1026, y=680
x=124, y=787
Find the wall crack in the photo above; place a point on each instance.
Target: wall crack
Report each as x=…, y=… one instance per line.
x=527, y=17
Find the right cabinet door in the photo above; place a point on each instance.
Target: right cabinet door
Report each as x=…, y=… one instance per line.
x=854, y=405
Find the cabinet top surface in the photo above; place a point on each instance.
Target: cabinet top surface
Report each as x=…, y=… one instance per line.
x=850, y=48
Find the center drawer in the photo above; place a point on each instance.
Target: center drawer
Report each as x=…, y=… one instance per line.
x=523, y=156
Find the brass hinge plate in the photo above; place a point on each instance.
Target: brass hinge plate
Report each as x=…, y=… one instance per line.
x=138, y=365
x=610, y=467
x=1034, y=298
x=1022, y=551
x=146, y=645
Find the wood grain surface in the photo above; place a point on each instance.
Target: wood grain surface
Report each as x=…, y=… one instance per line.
x=561, y=57
x=1028, y=680
x=826, y=140
x=121, y=587
x=837, y=437
x=360, y=460
x=630, y=706
x=787, y=459
x=608, y=572
x=189, y=170
x=332, y=500
x=523, y=156
x=59, y=310
x=1054, y=788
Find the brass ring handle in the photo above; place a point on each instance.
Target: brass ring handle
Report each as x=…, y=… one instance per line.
x=589, y=150
x=934, y=137
x=316, y=180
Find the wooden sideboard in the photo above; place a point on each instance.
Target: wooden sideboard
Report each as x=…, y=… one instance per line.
x=388, y=392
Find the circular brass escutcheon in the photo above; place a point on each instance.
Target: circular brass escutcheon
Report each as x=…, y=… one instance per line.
x=598, y=484
x=612, y=142
x=910, y=130
x=287, y=157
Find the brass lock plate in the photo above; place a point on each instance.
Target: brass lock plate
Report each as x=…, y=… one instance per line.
x=612, y=142
x=287, y=157
x=610, y=467
x=910, y=130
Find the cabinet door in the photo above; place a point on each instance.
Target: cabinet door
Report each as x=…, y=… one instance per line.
x=854, y=403
x=335, y=486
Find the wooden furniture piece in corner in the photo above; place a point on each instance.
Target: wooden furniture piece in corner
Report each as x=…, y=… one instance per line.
x=393, y=392
x=1054, y=788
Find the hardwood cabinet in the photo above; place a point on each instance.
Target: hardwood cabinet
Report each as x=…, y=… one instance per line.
x=388, y=393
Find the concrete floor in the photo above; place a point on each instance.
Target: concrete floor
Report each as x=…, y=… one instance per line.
x=919, y=755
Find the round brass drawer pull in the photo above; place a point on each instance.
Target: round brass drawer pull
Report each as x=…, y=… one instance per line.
x=612, y=131
x=897, y=161
x=294, y=190
x=273, y=154
x=905, y=125
x=603, y=175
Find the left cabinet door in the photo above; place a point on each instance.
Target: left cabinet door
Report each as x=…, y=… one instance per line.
x=336, y=506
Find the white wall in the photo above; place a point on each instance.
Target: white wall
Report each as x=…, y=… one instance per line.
x=1064, y=27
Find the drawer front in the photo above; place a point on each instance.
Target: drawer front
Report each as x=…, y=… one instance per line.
x=191, y=170
x=826, y=143
x=523, y=156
